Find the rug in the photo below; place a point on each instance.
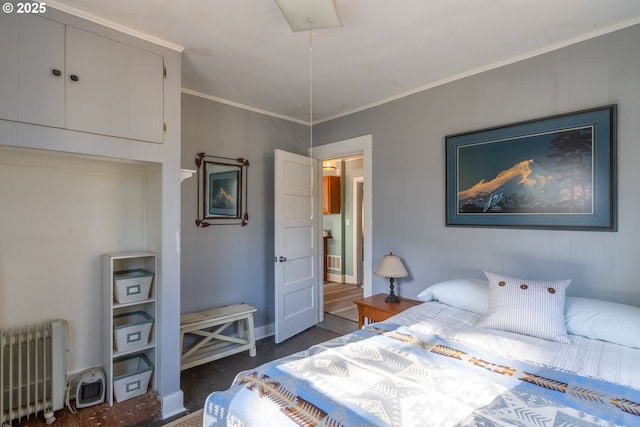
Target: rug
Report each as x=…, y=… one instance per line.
x=338, y=300
x=193, y=419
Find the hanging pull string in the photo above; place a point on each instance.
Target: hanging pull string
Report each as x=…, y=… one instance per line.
x=310, y=86
x=310, y=82
x=310, y=21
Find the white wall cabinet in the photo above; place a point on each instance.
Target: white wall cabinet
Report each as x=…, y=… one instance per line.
x=111, y=264
x=112, y=88
x=61, y=76
x=32, y=70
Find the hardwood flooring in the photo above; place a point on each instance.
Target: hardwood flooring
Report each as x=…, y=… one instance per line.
x=339, y=297
x=196, y=383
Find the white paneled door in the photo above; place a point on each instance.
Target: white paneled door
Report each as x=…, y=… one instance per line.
x=296, y=246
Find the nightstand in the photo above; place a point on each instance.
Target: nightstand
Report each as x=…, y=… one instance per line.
x=376, y=309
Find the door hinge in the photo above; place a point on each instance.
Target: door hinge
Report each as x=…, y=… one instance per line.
x=164, y=71
x=164, y=127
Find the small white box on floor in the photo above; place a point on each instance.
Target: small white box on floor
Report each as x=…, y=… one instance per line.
x=131, y=376
x=131, y=330
x=132, y=285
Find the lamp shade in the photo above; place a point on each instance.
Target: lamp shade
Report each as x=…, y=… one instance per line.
x=391, y=266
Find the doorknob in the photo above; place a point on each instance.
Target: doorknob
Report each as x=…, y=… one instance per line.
x=283, y=259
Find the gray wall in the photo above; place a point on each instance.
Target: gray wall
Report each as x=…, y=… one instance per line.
x=409, y=168
x=228, y=264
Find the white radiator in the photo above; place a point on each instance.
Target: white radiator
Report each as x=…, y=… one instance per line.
x=334, y=262
x=33, y=370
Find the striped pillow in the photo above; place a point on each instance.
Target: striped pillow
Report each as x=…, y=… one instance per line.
x=529, y=307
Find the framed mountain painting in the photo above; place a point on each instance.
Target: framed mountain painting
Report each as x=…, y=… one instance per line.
x=553, y=173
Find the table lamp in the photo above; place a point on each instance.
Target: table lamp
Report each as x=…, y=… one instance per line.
x=391, y=266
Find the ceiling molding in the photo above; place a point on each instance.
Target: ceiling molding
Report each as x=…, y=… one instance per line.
x=113, y=25
x=242, y=106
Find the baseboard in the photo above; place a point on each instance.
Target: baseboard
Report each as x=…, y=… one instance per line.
x=341, y=278
x=264, y=331
x=334, y=277
x=172, y=405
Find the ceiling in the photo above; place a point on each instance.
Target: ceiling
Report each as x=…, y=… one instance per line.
x=244, y=53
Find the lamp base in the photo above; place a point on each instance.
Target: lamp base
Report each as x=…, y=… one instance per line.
x=392, y=298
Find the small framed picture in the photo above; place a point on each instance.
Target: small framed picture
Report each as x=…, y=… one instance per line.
x=222, y=196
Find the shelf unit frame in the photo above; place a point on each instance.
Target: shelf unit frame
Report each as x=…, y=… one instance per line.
x=119, y=261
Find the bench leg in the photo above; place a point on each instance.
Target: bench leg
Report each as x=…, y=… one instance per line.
x=252, y=338
x=242, y=333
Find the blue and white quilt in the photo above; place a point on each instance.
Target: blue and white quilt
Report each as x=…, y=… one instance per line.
x=392, y=375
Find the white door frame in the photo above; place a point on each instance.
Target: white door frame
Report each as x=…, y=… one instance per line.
x=358, y=145
x=356, y=253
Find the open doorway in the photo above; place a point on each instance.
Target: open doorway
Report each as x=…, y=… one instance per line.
x=362, y=145
x=342, y=223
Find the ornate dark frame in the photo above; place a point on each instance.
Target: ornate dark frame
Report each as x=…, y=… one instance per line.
x=234, y=174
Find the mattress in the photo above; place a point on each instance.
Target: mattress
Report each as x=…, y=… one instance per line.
x=429, y=366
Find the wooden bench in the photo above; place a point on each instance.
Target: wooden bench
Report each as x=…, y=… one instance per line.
x=208, y=326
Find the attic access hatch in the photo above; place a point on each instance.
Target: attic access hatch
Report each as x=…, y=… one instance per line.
x=304, y=15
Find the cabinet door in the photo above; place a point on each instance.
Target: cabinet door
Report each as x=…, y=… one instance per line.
x=32, y=48
x=330, y=194
x=112, y=88
x=87, y=82
x=136, y=109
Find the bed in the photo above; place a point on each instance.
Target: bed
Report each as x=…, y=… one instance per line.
x=465, y=357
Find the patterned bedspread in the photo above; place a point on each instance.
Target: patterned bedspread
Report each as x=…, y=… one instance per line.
x=386, y=374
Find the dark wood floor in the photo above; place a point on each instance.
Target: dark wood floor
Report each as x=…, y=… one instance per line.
x=196, y=383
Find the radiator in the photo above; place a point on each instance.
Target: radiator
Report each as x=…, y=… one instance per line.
x=334, y=262
x=33, y=370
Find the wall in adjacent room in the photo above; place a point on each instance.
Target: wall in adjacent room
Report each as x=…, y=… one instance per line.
x=334, y=224
x=353, y=169
x=341, y=225
x=409, y=171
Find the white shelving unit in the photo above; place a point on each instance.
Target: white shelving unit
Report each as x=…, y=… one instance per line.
x=112, y=263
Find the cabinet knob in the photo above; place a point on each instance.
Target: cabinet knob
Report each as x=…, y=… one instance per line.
x=56, y=72
x=283, y=259
x=74, y=77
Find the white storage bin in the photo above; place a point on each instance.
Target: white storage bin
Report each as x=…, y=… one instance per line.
x=131, y=376
x=132, y=285
x=131, y=330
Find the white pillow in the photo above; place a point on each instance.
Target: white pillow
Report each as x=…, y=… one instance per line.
x=529, y=307
x=466, y=294
x=603, y=320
